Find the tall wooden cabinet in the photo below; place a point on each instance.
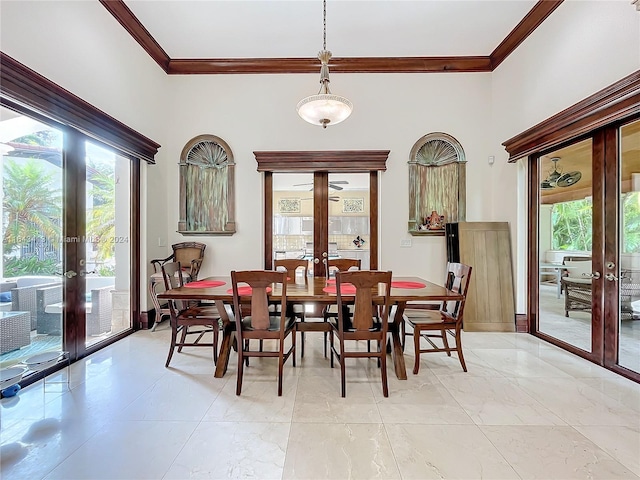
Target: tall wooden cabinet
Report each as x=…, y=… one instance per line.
x=486, y=246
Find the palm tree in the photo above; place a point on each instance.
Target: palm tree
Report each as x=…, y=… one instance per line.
x=101, y=218
x=31, y=204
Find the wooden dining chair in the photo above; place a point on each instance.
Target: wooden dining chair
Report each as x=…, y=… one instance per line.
x=188, y=254
x=368, y=321
x=257, y=322
x=186, y=317
x=332, y=266
x=292, y=266
x=445, y=319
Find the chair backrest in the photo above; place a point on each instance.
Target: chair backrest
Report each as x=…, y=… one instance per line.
x=341, y=265
x=291, y=266
x=367, y=285
x=577, y=266
x=186, y=252
x=172, y=276
x=458, y=277
x=258, y=280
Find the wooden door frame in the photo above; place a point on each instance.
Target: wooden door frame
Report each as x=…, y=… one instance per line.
x=598, y=116
x=334, y=161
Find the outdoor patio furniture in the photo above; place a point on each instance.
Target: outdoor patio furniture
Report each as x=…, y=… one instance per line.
x=49, y=322
x=23, y=297
x=629, y=294
x=15, y=330
x=577, y=287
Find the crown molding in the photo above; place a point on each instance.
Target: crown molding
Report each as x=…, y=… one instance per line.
x=215, y=66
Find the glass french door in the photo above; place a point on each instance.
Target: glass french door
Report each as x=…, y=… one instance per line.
x=66, y=249
x=318, y=216
x=588, y=247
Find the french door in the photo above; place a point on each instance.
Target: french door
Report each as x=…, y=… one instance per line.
x=587, y=239
x=321, y=204
x=319, y=216
x=67, y=239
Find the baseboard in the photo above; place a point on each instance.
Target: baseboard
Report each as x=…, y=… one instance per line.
x=522, y=323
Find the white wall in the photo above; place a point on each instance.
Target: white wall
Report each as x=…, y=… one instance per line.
x=583, y=47
x=81, y=47
x=391, y=112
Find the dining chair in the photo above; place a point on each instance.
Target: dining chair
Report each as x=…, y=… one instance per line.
x=185, y=316
x=445, y=319
x=332, y=266
x=292, y=266
x=368, y=321
x=257, y=322
x=188, y=254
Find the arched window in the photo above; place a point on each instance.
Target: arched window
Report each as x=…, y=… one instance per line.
x=436, y=182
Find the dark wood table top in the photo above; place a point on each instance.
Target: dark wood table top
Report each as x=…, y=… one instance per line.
x=312, y=291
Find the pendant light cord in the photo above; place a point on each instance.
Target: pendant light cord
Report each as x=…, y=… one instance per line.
x=324, y=24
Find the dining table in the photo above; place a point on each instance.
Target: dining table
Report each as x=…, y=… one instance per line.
x=313, y=290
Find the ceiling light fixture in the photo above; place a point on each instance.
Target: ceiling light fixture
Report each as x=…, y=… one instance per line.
x=325, y=108
x=558, y=179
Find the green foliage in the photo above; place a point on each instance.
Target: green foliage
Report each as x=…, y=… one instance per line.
x=101, y=218
x=106, y=271
x=16, y=267
x=571, y=224
x=31, y=203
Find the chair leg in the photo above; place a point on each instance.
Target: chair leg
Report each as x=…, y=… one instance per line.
x=246, y=347
x=331, y=345
x=183, y=337
x=459, y=348
x=343, y=375
x=293, y=351
x=445, y=341
x=216, y=330
x=174, y=334
x=416, y=347
x=240, y=372
x=280, y=367
x=383, y=368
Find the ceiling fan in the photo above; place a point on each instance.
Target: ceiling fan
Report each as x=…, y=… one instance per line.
x=332, y=184
x=556, y=178
x=332, y=198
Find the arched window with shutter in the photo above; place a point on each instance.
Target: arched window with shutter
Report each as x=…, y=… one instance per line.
x=436, y=182
x=207, y=187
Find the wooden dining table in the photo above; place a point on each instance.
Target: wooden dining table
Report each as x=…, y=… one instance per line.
x=312, y=290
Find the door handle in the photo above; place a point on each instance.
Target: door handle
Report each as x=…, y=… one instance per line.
x=70, y=274
x=594, y=275
x=611, y=277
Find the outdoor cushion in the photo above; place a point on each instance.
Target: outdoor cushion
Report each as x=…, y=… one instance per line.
x=579, y=267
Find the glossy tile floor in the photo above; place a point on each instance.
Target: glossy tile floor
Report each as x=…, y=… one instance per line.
x=524, y=410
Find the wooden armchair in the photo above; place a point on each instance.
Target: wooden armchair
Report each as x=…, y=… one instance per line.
x=188, y=254
x=432, y=321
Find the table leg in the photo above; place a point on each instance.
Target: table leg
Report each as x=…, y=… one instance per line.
x=396, y=344
x=228, y=335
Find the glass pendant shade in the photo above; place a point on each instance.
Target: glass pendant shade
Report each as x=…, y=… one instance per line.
x=324, y=109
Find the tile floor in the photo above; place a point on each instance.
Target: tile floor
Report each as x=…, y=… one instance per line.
x=524, y=410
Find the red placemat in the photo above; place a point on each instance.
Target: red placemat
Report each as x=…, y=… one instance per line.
x=345, y=289
x=245, y=290
x=205, y=284
x=408, y=285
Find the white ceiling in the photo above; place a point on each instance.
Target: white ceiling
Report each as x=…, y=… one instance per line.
x=355, y=28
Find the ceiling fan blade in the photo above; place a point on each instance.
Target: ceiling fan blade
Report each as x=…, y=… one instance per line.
x=335, y=187
x=334, y=199
x=301, y=184
x=339, y=182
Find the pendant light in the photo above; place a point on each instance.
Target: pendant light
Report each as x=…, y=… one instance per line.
x=325, y=108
